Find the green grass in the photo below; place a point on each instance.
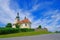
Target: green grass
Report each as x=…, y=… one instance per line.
x=24, y=34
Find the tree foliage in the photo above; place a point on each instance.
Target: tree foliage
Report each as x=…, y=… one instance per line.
x=39, y=26
x=9, y=25
x=17, y=25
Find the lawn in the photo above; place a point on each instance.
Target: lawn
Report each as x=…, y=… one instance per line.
x=24, y=34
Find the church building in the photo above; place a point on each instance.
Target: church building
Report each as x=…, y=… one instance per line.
x=25, y=23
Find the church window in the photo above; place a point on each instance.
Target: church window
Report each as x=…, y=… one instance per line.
x=25, y=24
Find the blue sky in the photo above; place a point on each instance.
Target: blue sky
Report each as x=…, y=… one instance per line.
x=39, y=12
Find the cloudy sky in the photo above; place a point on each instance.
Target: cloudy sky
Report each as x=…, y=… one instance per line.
x=39, y=12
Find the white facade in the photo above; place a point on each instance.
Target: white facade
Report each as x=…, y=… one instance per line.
x=13, y=26
x=24, y=25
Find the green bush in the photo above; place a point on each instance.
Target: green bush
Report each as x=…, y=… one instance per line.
x=26, y=30
x=9, y=30
x=14, y=30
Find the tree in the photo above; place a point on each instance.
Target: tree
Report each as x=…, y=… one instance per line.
x=9, y=25
x=17, y=25
x=39, y=26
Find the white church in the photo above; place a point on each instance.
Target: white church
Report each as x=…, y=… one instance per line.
x=25, y=23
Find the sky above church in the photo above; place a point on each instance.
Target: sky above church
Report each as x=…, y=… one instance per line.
x=40, y=12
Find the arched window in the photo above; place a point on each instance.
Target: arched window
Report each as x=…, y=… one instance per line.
x=25, y=24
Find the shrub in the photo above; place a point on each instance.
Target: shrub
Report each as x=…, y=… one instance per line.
x=26, y=30
x=9, y=30
x=14, y=30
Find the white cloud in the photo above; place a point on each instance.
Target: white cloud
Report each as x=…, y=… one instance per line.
x=51, y=24
x=6, y=12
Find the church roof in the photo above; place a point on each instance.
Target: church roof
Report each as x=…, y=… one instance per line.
x=25, y=21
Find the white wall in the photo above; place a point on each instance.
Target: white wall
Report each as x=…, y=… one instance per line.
x=13, y=26
x=25, y=26
x=28, y=25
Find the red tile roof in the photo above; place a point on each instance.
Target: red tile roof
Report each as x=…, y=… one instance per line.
x=25, y=21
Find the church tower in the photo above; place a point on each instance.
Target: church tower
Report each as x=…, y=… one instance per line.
x=16, y=21
x=17, y=18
